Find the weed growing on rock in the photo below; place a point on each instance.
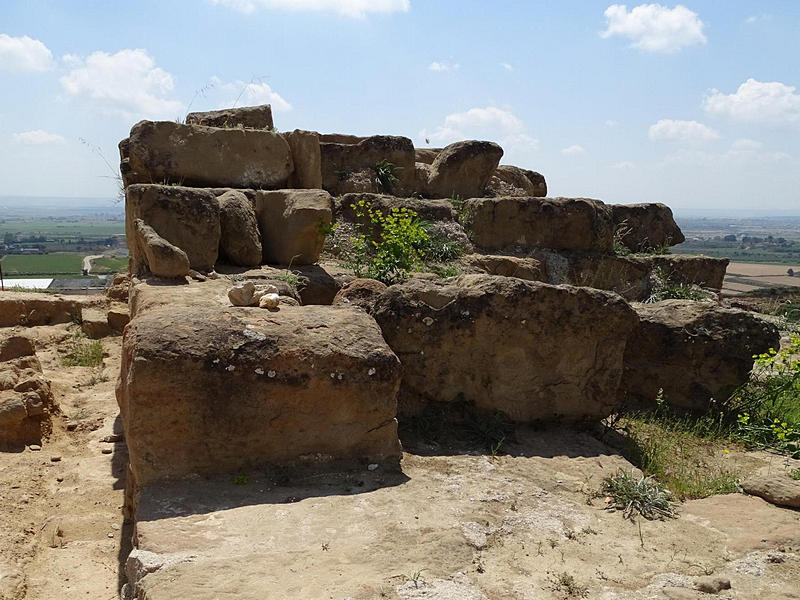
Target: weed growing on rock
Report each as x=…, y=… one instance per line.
x=385, y=247
x=565, y=584
x=644, y=495
x=83, y=353
x=385, y=176
x=665, y=288
x=795, y=474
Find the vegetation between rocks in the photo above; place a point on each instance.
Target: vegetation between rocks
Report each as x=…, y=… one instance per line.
x=83, y=353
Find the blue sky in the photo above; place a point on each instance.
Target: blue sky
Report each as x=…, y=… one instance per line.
x=694, y=105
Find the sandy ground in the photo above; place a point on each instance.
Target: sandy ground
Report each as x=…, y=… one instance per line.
x=61, y=525
x=455, y=524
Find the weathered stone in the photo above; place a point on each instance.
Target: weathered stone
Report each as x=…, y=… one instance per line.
x=187, y=218
x=362, y=293
x=241, y=294
x=15, y=346
x=643, y=227
x=307, y=159
x=161, y=258
x=427, y=210
x=528, y=349
x=711, y=584
x=250, y=117
x=513, y=181
x=293, y=224
x=693, y=351
x=351, y=167
x=530, y=223
x=206, y=388
x=119, y=288
x=507, y=266
x=269, y=301
x=94, y=324
x=463, y=169
x=316, y=284
x=426, y=155
x=775, y=487
x=630, y=278
x=341, y=138
x=31, y=309
x=194, y=155
x=704, y=271
x=118, y=317
x=240, y=240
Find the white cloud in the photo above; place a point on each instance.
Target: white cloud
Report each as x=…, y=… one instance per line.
x=443, y=66
x=611, y=123
x=574, y=150
x=625, y=165
x=490, y=123
x=126, y=83
x=655, y=28
x=24, y=54
x=756, y=101
x=37, y=137
x=744, y=144
x=681, y=131
x=348, y=8
x=756, y=18
x=507, y=66
x=239, y=93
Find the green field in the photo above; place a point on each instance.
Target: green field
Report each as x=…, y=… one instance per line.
x=57, y=263
x=109, y=265
x=57, y=228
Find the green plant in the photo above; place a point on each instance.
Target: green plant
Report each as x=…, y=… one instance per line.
x=795, y=474
x=416, y=577
x=767, y=408
x=385, y=176
x=665, y=288
x=445, y=271
x=83, y=353
x=565, y=584
x=437, y=247
x=644, y=495
x=385, y=247
x=240, y=480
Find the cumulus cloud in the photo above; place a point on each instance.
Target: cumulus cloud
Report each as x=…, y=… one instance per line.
x=655, y=28
x=239, y=93
x=348, y=8
x=772, y=102
x=681, y=131
x=126, y=83
x=37, y=137
x=442, y=66
x=574, y=150
x=24, y=54
x=490, y=123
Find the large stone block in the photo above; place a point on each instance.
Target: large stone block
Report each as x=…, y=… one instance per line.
x=507, y=266
x=212, y=389
x=194, y=155
x=704, y=271
x=463, y=169
x=240, y=241
x=531, y=350
x=509, y=180
x=163, y=259
x=30, y=309
x=307, y=159
x=427, y=210
x=26, y=401
x=293, y=224
x=250, y=117
x=350, y=167
x=693, y=351
x=642, y=227
x=529, y=223
x=186, y=217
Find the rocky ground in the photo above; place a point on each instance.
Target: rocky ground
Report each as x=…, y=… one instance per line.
x=456, y=523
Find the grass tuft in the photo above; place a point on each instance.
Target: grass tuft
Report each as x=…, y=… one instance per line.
x=643, y=495
x=83, y=353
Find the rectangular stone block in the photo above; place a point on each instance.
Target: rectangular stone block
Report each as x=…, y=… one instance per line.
x=198, y=156
x=209, y=389
x=186, y=217
x=528, y=223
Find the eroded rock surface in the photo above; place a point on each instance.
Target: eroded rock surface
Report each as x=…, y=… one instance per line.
x=692, y=351
x=251, y=117
x=240, y=239
x=31, y=309
x=641, y=227
x=463, y=169
x=527, y=349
